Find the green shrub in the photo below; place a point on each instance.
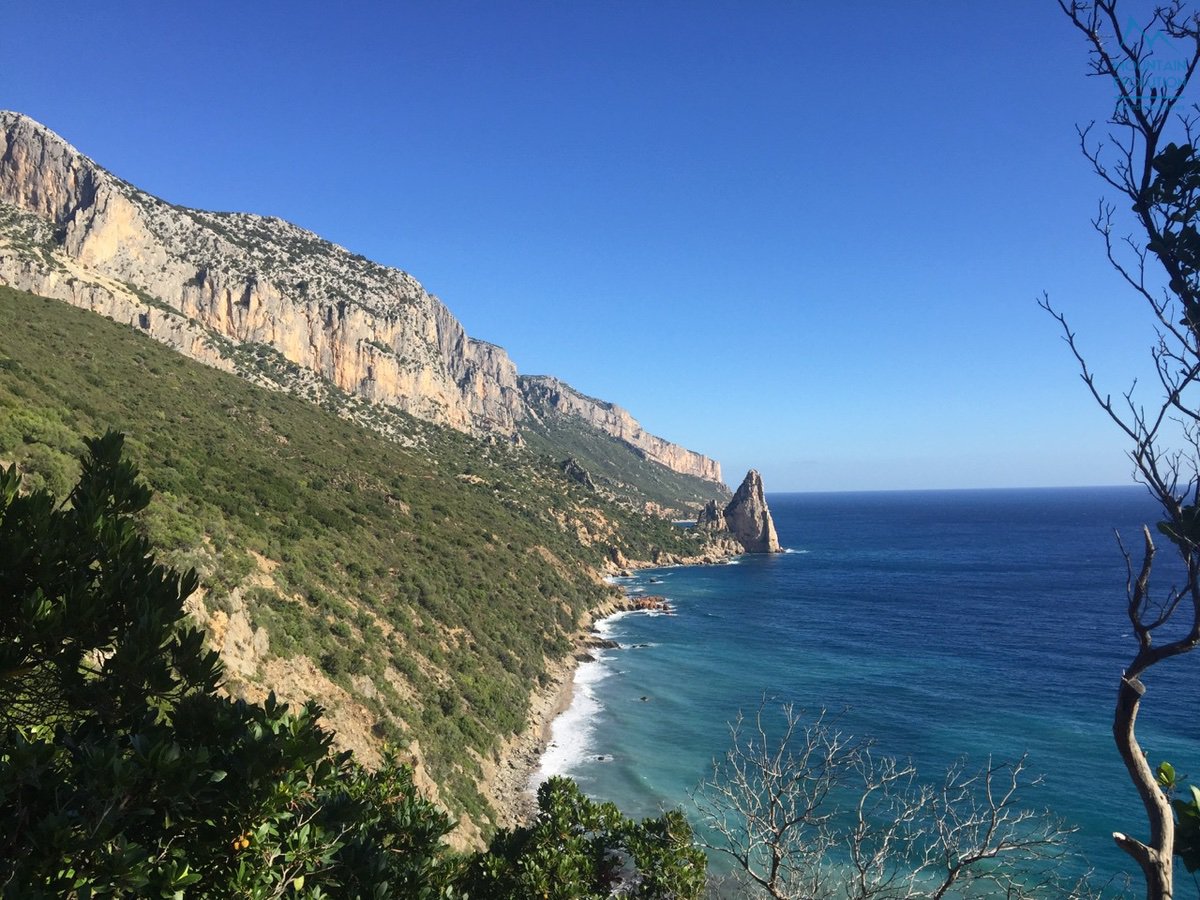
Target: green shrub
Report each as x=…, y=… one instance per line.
x=123, y=772
x=414, y=548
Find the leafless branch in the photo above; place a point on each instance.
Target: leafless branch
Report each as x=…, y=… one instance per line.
x=805, y=811
x=1166, y=211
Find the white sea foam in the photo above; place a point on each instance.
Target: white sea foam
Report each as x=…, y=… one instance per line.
x=572, y=731
x=571, y=734
x=790, y=550
x=604, y=626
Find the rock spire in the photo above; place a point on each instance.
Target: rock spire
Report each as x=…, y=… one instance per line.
x=748, y=518
x=711, y=518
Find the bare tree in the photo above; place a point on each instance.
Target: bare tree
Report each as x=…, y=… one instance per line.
x=1149, y=64
x=806, y=811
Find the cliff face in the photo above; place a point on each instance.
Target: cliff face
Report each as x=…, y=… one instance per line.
x=548, y=396
x=748, y=518
x=193, y=278
x=223, y=287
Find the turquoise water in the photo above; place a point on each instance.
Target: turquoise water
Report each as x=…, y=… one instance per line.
x=946, y=624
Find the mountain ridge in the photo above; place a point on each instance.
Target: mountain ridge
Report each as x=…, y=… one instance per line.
x=229, y=289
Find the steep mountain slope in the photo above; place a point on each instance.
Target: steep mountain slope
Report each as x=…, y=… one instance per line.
x=548, y=397
x=417, y=591
x=619, y=465
x=275, y=303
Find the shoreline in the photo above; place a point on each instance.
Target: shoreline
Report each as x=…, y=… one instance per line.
x=507, y=779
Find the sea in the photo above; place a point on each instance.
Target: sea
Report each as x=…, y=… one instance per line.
x=967, y=625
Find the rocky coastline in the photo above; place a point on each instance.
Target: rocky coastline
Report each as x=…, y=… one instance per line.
x=507, y=782
x=743, y=526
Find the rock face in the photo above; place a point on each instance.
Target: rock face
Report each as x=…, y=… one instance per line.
x=549, y=396
x=748, y=518
x=207, y=283
x=261, y=297
x=573, y=470
x=711, y=518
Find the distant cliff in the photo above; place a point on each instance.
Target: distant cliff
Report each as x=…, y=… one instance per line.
x=549, y=396
x=234, y=289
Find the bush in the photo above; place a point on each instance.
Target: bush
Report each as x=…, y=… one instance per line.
x=583, y=850
x=124, y=772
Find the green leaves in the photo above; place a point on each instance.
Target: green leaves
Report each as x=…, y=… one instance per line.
x=1174, y=164
x=1184, y=533
x=1169, y=208
x=1187, y=829
x=578, y=849
x=123, y=772
x=121, y=769
x=1187, y=817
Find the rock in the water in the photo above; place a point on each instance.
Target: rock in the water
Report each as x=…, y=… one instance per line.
x=748, y=518
x=711, y=518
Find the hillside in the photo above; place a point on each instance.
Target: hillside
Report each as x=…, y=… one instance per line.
x=278, y=305
x=619, y=469
x=416, y=585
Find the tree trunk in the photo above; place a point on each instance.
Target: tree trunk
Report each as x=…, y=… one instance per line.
x=1155, y=858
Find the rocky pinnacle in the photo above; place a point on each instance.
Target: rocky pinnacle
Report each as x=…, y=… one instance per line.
x=748, y=518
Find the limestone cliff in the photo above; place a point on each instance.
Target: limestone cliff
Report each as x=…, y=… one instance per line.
x=239, y=291
x=204, y=281
x=548, y=396
x=748, y=518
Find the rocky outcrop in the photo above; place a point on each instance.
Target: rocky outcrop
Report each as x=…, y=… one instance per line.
x=711, y=518
x=573, y=470
x=651, y=604
x=259, y=296
x=748, y=518
x=546, y=396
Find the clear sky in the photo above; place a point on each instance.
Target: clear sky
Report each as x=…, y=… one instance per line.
x=806, y=237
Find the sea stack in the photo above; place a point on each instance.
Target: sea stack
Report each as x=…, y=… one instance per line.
x=748, y=518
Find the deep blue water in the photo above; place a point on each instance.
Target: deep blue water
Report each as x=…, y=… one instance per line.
x=945, y=624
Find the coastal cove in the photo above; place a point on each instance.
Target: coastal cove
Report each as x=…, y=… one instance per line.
x=944, y=624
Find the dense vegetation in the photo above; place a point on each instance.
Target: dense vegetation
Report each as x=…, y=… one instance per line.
x=429, y=582
x=123, y=772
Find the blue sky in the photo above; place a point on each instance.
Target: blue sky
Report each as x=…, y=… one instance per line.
x=806, y=237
